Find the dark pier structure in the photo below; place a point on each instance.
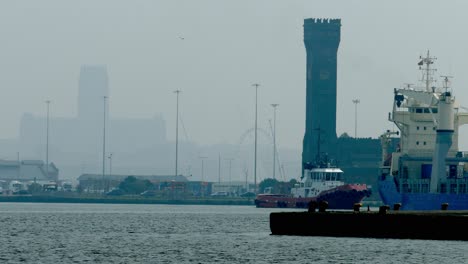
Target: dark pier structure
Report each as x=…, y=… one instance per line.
x=358, y=157
x=433, y=225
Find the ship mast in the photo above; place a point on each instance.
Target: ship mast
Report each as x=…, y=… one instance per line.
x=425, y=65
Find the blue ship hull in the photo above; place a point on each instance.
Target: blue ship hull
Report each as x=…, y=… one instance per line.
x=420, y=201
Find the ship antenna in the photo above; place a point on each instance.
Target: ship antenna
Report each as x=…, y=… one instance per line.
x=446, y=81
x=425, y=66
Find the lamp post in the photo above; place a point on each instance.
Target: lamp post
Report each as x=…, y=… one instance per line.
x=202, y=168
x=47, y=139
x=274, y=139
x=110, y=164
x=356, y=102
x=230, y=167
x=219, y=168
x=202, y=176
x=177, y=92
x=104, y=142
x=256, y=85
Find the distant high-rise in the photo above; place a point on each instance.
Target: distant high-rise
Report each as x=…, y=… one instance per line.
x=321, y=39
x=76, y=142
x=93, y=86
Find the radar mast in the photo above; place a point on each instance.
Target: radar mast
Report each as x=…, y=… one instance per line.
x=425, y=66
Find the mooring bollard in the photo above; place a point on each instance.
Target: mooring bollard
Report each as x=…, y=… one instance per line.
x=323, y=205
x=357, y=206
x=312, y=206
x=383, y=209
x=396, y=207
x=444, y=206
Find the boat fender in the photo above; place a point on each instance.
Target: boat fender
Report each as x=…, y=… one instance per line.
x=396, y=207
x=357, y=206
x=383, y=209
x=312, y=206
x=444, y=206
x=323, y=205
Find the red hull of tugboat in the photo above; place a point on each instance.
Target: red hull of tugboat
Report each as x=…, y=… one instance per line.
x=341, y=197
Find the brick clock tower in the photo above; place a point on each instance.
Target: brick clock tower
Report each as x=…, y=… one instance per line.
x=321, y=39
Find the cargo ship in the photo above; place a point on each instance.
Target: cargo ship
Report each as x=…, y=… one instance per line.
x=425, y=169
x=321, y=182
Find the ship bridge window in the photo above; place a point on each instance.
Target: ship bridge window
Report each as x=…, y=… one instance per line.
x=419, y=110
x=417, y=128
x=426, y=110
x=434, y=110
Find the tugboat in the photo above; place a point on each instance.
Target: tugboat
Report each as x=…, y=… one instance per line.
x=322, y=181
x=426, y=170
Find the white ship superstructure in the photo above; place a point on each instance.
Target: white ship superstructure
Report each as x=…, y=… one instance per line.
x=427, y=159
x=317, y=180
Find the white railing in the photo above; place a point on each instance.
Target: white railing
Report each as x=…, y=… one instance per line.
x=454, y=186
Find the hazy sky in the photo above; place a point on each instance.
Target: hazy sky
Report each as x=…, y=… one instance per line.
x=227, y=46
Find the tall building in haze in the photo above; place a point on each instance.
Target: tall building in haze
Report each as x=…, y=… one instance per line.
x=93, y=86
x=77, y=141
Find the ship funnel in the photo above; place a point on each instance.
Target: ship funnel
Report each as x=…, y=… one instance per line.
x=445, y=131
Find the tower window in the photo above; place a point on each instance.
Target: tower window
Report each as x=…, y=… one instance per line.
x=424, y=143
x=417, y=128
x=424, y=128
x=417, y=142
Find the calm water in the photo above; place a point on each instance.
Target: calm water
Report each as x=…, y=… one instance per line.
x=98, y=233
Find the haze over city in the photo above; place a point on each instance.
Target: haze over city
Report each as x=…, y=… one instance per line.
x=213, y=52
x=129, y=131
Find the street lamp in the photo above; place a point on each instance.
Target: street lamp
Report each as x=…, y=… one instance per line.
x=256, y=85
x=219, y=168
x=202, y=168
x=47, y=139
x=356, y=102
x=274, y=138
x=110, y=164
x=202, y=176
x=104, y=141
x=230, y=163
x=177, y=131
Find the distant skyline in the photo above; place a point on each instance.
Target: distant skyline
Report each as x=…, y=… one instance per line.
x=214, y=51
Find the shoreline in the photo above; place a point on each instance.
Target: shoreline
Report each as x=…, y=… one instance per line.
x=122, y=200
x=138, y=200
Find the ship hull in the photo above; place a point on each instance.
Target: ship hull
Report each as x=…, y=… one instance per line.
x=420, y=201
x=341, y=197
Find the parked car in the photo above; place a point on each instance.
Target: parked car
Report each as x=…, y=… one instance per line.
x=116, y=192
x=248, y=195
x=22, y=192
x=220, y=194
x=148, y=193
